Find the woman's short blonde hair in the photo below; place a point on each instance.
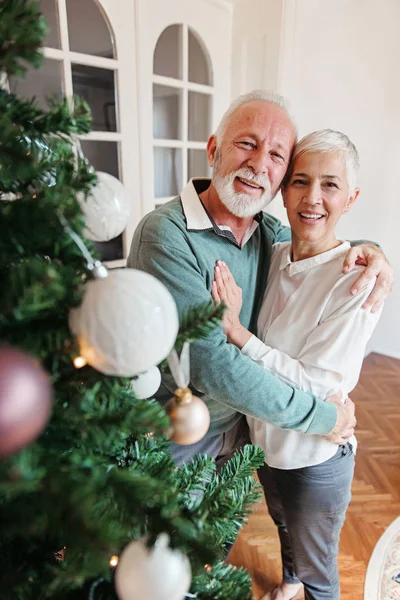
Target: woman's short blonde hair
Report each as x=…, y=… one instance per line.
x=328, y=140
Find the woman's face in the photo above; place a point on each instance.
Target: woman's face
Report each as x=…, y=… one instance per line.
x=315, y=197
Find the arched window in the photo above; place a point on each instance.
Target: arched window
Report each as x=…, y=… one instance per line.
x=82, y=60
x=183, y=93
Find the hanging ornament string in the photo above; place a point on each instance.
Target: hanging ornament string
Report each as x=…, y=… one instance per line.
x=94, y=586
x=180, y=366
x=95, y=266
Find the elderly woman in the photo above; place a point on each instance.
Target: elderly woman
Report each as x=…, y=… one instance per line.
x=313, y=334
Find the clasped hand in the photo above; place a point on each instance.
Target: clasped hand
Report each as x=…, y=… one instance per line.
x=225, y=289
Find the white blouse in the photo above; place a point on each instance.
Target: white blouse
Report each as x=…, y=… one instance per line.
x=314, y=334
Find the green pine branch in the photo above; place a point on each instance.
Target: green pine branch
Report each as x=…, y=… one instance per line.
x=22, y=29
x=193, y=477
x=228, y=499
x=198, y=323
x=222, y=581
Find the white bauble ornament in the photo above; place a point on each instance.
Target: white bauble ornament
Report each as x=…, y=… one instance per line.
x=146, y=384
x=157, y=573
x=106, y=210
x=126, y=323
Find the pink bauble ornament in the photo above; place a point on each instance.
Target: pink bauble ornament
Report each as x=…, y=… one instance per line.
x=25, y=400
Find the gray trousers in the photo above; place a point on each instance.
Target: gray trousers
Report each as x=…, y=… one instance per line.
x=221, y=446
x=308, y=506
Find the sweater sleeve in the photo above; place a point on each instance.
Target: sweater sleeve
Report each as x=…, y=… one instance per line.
x=332, y=356
x=280, y=233
x=219, y=369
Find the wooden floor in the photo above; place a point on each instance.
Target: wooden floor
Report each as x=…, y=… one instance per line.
x=376, y=488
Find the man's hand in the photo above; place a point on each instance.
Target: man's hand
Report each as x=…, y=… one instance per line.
x=377, y=266
x=345, y=422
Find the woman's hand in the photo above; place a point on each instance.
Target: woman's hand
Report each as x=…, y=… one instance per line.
x=224, y=289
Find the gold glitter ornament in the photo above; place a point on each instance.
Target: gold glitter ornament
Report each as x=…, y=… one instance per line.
x=189, y=417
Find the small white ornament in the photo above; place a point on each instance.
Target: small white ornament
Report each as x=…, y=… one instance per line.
x=106, y=210
x=157, y=573
x=126, y=323
x=147, y=383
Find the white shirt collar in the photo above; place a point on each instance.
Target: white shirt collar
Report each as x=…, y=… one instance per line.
x=196, y=216
x=308, y=263
x=198, y=219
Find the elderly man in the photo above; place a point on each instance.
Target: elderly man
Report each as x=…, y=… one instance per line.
x=222, y=219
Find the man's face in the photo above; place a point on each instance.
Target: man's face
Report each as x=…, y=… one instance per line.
x=252, y=158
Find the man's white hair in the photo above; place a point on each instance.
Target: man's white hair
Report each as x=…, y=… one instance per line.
x=254, y=96
x=328, y=140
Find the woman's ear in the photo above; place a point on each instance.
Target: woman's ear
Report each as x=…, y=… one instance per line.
x=351, y=200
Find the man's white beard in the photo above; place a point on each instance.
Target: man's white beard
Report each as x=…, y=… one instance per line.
x=241, y=204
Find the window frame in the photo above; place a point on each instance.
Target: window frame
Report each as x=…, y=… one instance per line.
x=67, y=58
x=185, y=86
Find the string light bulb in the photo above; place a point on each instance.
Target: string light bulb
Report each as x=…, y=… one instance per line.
x=79, y=362
x=113, y=561
x=60, y=555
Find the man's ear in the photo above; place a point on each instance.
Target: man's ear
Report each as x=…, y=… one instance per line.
x=211, y=149
x=351, y=200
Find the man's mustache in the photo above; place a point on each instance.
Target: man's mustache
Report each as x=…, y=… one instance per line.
x=248, y=174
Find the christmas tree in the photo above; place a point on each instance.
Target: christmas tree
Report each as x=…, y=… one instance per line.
x=84, y=475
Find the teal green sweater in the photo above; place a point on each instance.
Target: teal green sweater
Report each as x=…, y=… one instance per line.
x=229, y=382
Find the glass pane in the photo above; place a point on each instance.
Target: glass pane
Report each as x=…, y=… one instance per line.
x=102, y=155
x=199, y=117
x=49, y=10
x=168, y=53
x=167, y=103
x=111, y=250
x=43, y=84
x=97, y=87
x=199, y=63
x=167, y=172
x=88, y=29
x=198, y=164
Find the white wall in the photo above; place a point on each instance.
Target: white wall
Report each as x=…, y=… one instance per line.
x=256, y=44
x=339, y=67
